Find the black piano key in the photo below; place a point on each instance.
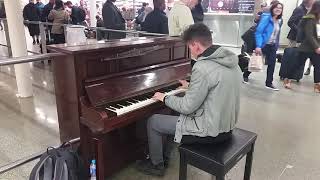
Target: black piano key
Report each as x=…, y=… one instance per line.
x=149, y=95
x=167, y=90
x=175, y=86
x=141, y=98
x=115, y=105
x=124, y=103
x=130, y=102
x=109, y=107
x=133, y=100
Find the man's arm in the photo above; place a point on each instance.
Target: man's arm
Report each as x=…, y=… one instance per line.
x=260, y=29
x=194, y=97
x=295, y=19
x=164, y=26
x=309, y=32
x=25, y=16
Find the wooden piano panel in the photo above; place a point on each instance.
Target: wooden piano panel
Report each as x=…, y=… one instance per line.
x=97, y=68
x=157, y=57
x=180, y=52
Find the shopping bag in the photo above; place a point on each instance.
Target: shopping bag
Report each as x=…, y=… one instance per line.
x=256, y=63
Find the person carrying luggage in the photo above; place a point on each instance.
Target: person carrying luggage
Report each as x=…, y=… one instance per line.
x=267, y=41
x=310, y=46
x=293, y=23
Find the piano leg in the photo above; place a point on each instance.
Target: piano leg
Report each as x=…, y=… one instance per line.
x=98, y=143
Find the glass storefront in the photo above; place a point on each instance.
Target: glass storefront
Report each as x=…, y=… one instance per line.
x=228, y=6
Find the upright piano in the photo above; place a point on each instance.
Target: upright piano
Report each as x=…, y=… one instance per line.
x=104, y=93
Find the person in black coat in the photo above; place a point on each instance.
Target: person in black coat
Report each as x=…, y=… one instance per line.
x=32, y=13
x=293, y=23
x=46, y=11
x=156, y=21
x=197, y=13
x=113, y=19
x=78, y=15
x=294, y=20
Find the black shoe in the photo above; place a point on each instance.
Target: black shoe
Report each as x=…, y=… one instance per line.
x=245, y=80
x=38, y=42
x=34, y=42
x=146, y=167
x=307, y=72
x=272, y=87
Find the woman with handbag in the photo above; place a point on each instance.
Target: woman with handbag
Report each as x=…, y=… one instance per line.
x=310, y=46
x=59, y=16
x=267, y=41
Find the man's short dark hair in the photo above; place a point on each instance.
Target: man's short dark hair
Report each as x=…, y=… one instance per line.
x=144, y=4
x=68, y=3
x=198, y=32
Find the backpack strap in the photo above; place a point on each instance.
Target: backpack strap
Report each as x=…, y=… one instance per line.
x=61, y=170
x=47, y=164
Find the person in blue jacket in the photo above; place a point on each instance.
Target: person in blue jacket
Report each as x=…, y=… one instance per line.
x=267, y=40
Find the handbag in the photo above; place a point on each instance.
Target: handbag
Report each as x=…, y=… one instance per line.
x=256, y=63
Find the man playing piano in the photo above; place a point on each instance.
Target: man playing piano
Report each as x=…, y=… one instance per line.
x=208, y=110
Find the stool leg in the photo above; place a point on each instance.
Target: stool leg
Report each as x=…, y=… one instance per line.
x=247, y=171
x=183, y=167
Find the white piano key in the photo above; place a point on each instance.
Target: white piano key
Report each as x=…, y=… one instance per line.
x=140, y=104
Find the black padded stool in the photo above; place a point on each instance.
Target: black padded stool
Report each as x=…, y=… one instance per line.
x=220, y=158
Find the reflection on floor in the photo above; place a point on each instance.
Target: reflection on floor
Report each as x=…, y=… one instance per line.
x=285, y=121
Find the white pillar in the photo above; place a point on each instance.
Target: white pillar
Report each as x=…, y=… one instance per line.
x=18, y=46
x=93, y=13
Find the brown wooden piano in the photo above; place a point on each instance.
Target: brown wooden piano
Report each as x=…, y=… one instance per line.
x=108, y=88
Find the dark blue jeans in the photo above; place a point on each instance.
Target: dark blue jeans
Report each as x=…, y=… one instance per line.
x=270, y=52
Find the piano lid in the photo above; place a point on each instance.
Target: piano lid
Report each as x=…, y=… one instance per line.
x=126, y=86
x=113, y=44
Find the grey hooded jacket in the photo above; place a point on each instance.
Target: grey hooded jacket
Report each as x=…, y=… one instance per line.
x=211, y=103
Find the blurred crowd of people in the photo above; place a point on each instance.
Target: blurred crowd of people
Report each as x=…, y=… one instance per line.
x=304, y=37
x=57, y=12
x=154, y=19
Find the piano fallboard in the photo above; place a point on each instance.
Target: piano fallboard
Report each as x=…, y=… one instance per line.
x=141, y=82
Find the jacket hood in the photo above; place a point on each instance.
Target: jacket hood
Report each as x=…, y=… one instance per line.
x=223, y=57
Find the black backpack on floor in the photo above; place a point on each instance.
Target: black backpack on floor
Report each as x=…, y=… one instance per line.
x=61, y=163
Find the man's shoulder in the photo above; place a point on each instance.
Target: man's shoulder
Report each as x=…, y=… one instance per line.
x=300, y=8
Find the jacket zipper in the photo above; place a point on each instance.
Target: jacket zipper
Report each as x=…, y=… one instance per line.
x=195, y=122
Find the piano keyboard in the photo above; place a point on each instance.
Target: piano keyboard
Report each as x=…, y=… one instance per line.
x=140, y=101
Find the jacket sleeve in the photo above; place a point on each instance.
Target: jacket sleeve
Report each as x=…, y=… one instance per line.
x=194, y=96
x=164, y=26
x=25, y=16
x=309, y=29
x=263, y=23
x=295, y=19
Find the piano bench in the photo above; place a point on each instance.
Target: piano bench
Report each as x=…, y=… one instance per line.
x=218, y=159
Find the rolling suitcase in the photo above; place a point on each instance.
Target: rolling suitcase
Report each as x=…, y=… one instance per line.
x=289, y=59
